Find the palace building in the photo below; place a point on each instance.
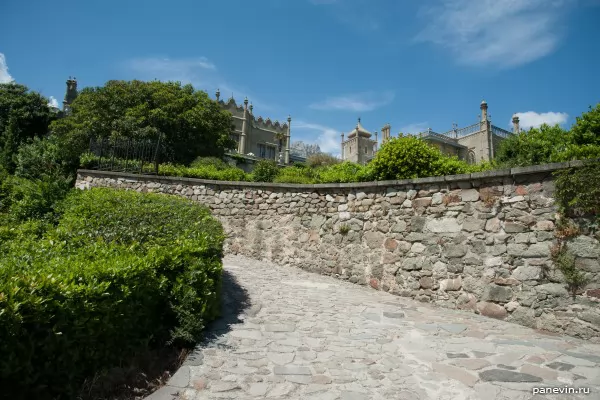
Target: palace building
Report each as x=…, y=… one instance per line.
x=474, y=143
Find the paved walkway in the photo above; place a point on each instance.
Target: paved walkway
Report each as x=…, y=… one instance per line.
x=306, y=336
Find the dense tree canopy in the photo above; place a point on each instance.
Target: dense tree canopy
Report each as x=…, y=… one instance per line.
x=554, y=144
x=23, y=115
x=189, y=122
x=410, y=157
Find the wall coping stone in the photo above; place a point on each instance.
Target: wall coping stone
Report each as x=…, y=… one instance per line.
x=534, y=169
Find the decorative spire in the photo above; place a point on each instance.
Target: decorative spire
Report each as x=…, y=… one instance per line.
x=218, y=94
x=289, y=118
x=251, y=107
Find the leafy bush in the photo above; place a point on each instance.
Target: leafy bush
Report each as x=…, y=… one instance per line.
x=204, y=172
x=341, y=173
x=548, y=144
x=44, y=157
x=123, y=271
x=210, y=161
x=410, y=157
x=578, y=190
x=265, y=171
x=321, y=160
x=26, y=199
x=296, y=174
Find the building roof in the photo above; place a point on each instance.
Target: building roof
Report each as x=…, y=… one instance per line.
x=360, y=130
x=436, y=137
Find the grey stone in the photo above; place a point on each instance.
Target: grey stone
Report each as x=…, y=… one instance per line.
x=291, y=370
x=502, y=375
x=181, y=378
x=499, y=294
x=453, y=328
x=457, y=355
x=394, y=315
x=560, y=366
x=444, y=225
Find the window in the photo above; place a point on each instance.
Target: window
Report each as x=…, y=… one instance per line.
x=366, y=149
x=271, y=153
x=262, y=151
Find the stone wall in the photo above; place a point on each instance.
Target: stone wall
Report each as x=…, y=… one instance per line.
x=477, y=242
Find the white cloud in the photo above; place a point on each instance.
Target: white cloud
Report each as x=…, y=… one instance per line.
x=4, y=75
x=199, y=71
x=367, y=101
x=328, y=139
x=52, y=102
x=414, y=128
x=531, y=119
x=502, y=33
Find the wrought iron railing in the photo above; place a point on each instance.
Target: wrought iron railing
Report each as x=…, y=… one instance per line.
x=124, y=155
x=503, y=133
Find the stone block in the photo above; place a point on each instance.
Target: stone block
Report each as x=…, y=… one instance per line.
x=469, y=195
x=444, y=225
x=450, y=284
x=498, y=294
x=492, y=310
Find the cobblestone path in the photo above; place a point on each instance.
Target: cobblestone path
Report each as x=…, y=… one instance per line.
x=307, y=336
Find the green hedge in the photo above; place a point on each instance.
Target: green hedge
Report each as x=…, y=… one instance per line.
x=121, y=272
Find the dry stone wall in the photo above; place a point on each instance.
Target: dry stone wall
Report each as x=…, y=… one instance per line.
x=477, y=242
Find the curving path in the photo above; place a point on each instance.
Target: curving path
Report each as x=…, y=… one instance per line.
x=306, y=336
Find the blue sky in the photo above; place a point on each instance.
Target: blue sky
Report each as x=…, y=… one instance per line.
x=415, y=64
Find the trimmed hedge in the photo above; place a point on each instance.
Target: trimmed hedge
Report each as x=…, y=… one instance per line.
x=121, y=272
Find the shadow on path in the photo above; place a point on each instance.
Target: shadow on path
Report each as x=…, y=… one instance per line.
x=234, y=302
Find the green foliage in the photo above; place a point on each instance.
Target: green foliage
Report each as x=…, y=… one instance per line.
x=564, y=260
x=216, y=162
x=265, y=171
x=578, y=190
x=410, y=157
x=548, y=144
x=299, y=174
x=321, y=160
x=586, y=130
x=23, y=115
x=344, y=229
x=26, y=199
x=43, y=157
x=342, y=173
x=123, y=271
x=191, y=124
x=204, y=172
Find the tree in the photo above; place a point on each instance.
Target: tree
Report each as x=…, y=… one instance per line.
x=23, y=115
x=548, y=144
x=407, y=157
x=189, y=123
x=321, y=160
x=536, y=146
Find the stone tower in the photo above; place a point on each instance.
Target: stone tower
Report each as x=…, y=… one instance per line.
x=515, y=121
x=359, y=147
x=385, y=133
x=70, y=95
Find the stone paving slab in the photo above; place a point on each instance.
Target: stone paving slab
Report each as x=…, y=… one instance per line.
x=308, y=336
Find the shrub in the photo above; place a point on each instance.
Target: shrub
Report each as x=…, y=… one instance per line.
x=265, y=171
x=410, y=157
x=321, y=160
x=204, y=172
x=294, y=174
x=341, y=173
x=42, y=157
x=211, y=162
x=123, y=271
x=26, y=199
